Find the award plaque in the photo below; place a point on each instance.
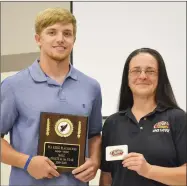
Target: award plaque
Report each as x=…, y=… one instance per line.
x=62, y=138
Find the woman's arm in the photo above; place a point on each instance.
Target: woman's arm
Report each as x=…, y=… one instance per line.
x=165, y=175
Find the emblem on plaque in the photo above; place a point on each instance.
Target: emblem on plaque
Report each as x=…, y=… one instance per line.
x=64, y=127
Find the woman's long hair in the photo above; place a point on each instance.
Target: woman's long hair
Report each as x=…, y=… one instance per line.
x=164, y=93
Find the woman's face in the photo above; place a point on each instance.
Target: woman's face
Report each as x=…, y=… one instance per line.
x=143, y=75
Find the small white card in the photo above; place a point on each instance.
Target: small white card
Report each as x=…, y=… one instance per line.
x=117, y=152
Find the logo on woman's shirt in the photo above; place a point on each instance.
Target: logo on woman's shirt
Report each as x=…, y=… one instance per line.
x=161, y=126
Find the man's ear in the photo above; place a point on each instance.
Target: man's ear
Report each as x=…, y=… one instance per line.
x=37, y=39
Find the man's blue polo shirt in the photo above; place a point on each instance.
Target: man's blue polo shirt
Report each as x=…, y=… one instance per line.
x=29, y=92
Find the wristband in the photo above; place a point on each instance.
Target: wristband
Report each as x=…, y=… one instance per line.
x=27, y=163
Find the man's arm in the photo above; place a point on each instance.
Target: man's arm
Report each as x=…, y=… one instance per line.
x=39, y=166
x=88, y=170
x=10, y=156
x=95, y=149
x=105, y=179
x=9, y=115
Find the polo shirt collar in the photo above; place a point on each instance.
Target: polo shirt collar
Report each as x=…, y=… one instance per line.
x=159, y=108
x=73, y=73
x=39, y=76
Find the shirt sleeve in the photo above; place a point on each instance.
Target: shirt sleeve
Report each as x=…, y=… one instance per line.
x=105, y=165
x=8, y=108
x=95, y=119
x=179, y=133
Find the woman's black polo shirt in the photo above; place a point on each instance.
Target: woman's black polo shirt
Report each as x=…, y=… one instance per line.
x=160, y=136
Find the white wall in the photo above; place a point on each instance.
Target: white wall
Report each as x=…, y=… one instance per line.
x=17, y=25
x=5, y=170
x=109, y=31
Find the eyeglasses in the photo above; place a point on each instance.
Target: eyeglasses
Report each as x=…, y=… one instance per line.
x=148, y=72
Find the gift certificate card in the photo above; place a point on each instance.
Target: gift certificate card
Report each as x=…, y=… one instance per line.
x=117, y=152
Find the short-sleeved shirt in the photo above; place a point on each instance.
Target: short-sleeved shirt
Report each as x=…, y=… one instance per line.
x=160, y=136
x=28, y=93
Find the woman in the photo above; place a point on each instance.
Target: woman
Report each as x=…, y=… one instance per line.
x=150, y=123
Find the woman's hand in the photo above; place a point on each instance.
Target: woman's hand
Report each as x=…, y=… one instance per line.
x=137, y=162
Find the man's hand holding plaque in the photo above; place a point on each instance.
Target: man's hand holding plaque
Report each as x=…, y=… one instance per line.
x=42, y=167
x=87, y=171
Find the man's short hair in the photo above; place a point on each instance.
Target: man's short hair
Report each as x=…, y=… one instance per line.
x=51, y=16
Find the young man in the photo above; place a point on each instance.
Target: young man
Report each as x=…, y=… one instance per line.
x=50, y=84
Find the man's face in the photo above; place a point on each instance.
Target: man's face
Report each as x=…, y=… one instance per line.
x=56, y=41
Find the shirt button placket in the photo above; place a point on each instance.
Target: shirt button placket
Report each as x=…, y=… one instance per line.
x=61, y=94
x=141, y=127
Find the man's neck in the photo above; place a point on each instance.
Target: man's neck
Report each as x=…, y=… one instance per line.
x=56, y=70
